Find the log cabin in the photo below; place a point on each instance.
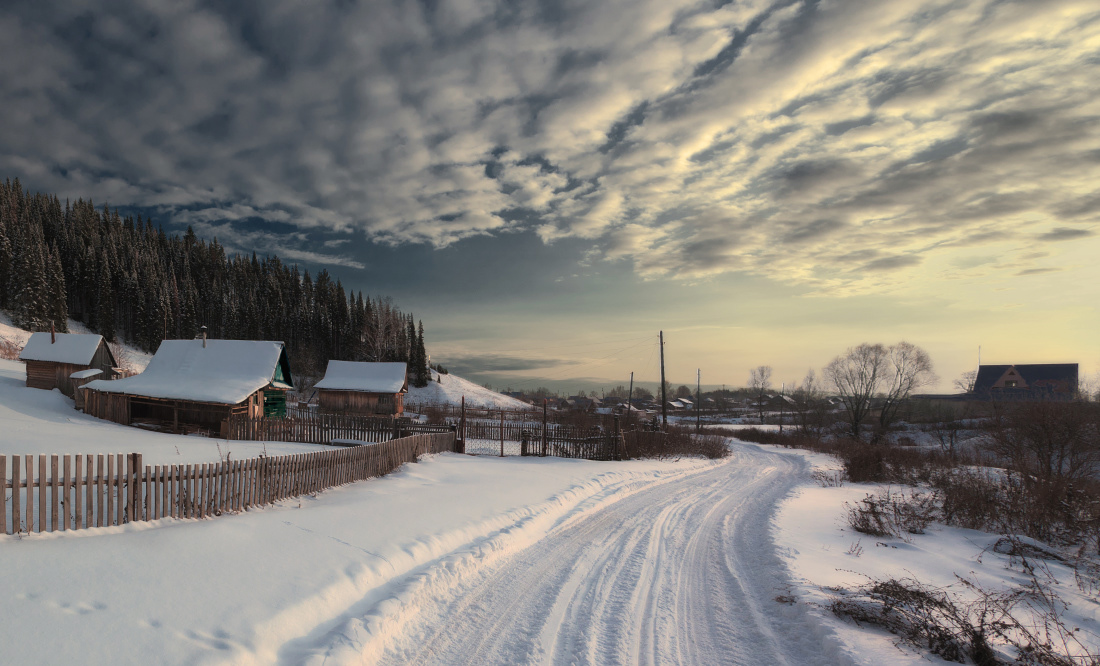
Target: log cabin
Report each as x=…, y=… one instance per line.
x=350, y=387
x=53, y=358
x=196, y=385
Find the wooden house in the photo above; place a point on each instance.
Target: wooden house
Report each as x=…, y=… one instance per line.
x=350, y=387
x=196, y=385
x=53, y=358
x=1036, y=381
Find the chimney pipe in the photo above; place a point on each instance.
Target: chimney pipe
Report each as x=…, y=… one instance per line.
x=204, y=337
x=53, y=336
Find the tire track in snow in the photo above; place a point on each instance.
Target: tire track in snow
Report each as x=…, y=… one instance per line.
x=682, y=572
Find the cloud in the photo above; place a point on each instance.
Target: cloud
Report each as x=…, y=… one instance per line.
x=781, y=138
x=1064, y=233
x=502, y=363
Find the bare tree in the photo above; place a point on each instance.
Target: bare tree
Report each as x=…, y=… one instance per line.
x=871, y=370
x=809, y=404
x=760, y=380
x=965, y=382
x=856, y=376
x=908, y=368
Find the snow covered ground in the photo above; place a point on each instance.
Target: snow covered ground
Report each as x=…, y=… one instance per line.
x=464, y=559
x=449, y=389
x=823, y=552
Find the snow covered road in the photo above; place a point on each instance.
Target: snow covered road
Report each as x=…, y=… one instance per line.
x=678, y=571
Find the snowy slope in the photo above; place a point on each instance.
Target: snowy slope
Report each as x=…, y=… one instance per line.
x=451, y=390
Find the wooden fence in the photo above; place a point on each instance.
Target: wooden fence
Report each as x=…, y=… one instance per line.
x=73, y=492
x=314, y=428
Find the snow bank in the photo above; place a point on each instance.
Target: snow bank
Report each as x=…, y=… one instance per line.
x=449, y=390
x=822, y=551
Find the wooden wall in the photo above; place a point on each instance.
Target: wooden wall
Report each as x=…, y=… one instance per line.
x=51, y=374
x=358, y=402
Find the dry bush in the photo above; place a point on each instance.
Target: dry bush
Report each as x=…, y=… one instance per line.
x=1026, y=620
x=676, y=442
x=9, y=349
x=889, y=513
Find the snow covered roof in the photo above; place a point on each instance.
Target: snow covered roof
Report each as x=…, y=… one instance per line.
x=224, y=372
x=84, y=374
x=365, y=377
x=75, y=348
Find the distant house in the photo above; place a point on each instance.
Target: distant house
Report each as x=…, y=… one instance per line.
x=1037, y=381
x=53, y=358
x=363, y=388
x=196, y=385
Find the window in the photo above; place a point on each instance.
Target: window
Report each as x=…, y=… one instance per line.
x=1011, y=383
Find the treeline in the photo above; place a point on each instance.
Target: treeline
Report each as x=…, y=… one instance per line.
x=123, y=277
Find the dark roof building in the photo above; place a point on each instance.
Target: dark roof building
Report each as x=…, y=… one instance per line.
x=1036, y=381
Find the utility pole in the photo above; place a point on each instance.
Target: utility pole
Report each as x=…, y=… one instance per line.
x=630, y=396
x=664, y=398
x=698, y=399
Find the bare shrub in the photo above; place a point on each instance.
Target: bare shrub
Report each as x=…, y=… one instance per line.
x=832, y=478
x=1027, y=620
x=676, y=442
x=9, y=349
x=890, y=513
x=123, y=357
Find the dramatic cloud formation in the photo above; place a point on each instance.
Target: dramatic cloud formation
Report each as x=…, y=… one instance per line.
x=834, y=143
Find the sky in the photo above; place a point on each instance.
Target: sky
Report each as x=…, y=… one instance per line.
x=549, y=184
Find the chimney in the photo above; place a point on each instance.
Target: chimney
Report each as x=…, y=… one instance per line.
x=204, y=337
x=53, y=336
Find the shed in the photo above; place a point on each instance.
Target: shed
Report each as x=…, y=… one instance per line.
x=196, y=385
x=353, y=387
x=52, y=358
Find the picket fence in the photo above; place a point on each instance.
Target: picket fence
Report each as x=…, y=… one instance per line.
x=73, y=492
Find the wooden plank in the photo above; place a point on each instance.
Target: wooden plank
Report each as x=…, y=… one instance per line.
x=89, y=489
x=109, y=514
x=150, y=496
x=16, y=516
x=66, y=487
x=78, y=492
x=120, y=498
x=42, y=494
x=126, y=497
x=208, y=477
x=4, y=495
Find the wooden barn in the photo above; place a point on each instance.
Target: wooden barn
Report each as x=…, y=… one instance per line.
x=195, y=385
x=53, y=358
x=363, y=388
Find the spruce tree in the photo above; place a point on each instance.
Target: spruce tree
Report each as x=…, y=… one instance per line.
x=105, y=310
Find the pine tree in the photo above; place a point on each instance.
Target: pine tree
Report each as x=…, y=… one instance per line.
x=423, y=374
x=105, y=310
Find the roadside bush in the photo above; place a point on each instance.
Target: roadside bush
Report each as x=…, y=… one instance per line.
x=889, y=513
x=1026, y=620
x=676, y=442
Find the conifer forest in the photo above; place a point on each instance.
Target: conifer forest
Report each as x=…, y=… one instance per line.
x=127, y=279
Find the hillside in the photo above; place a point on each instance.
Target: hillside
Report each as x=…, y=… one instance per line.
x=449, y=390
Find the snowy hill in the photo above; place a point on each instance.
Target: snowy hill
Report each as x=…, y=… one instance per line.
x=449, y=389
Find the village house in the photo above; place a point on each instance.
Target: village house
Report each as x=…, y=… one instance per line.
x=1037, y=381
x=53, y=358
x=351, y=387
x=196, y=385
